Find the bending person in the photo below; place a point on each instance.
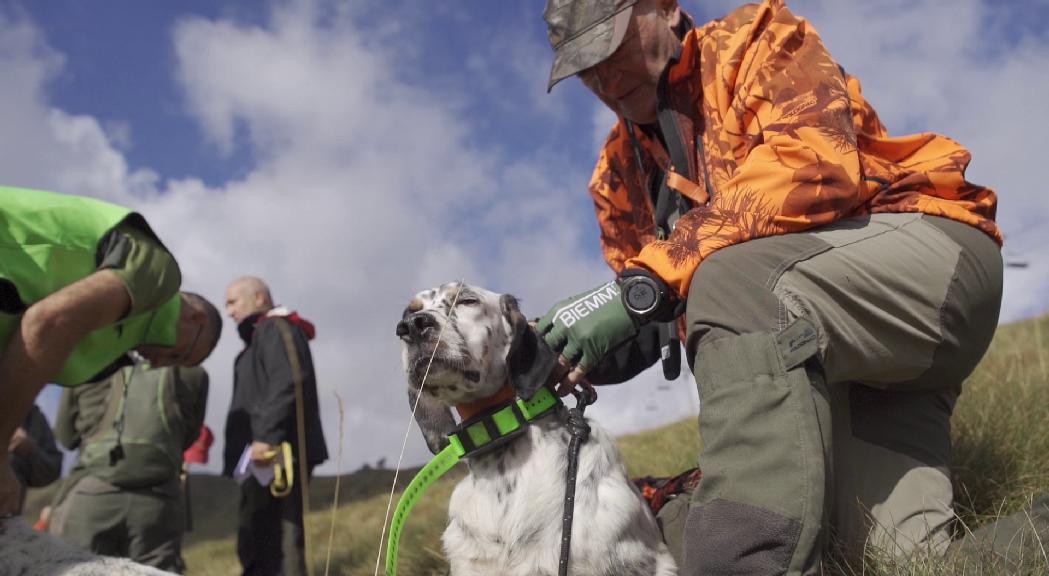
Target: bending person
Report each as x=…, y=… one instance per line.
x=82, y=282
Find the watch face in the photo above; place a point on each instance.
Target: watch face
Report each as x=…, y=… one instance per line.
x=641, y=297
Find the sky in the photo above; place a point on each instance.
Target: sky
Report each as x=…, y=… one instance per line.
x=354, y=153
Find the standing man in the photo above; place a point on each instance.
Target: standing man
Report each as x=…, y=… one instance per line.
x=82, y=282
x=124, y=497
x=837, y=285
x=276, y=358
x=35, y=459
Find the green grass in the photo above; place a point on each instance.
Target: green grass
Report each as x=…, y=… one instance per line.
x=358, y=527
x=1001, y=461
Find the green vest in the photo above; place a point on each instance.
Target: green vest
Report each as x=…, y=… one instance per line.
x=48, y=241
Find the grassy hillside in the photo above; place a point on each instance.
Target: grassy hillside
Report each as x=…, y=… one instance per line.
x=1001, y=460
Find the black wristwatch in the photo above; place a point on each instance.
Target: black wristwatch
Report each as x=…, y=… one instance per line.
x=647, y=297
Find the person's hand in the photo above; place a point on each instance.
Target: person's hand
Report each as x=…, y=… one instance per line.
x=585, y=328
x=10, y=489
x=262, y=453
x=21, y=443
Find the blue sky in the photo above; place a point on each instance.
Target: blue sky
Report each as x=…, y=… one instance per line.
x=353, y=153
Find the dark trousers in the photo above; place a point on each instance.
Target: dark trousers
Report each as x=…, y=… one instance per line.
x=144, y=524
x=270, y=536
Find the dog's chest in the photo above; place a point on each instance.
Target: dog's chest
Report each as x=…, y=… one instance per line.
x=509, y=508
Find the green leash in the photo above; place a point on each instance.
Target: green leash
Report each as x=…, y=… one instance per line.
x=481, y=433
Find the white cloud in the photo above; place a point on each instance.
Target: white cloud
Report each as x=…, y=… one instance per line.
x=45, y=147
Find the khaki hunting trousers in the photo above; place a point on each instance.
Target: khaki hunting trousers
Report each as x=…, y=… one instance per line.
x=828, y=364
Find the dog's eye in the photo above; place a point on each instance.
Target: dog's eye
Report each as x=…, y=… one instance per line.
x=468, y=302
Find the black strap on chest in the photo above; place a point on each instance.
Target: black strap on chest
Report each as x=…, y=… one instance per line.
x=668, y=205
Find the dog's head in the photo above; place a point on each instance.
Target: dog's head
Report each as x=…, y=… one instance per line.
x=478, y=341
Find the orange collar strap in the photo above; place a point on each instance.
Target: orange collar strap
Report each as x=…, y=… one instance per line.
x=471, y=409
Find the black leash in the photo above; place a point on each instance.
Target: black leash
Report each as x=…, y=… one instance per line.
x=580, y=433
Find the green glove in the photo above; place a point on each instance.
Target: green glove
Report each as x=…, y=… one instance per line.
x=588, y=326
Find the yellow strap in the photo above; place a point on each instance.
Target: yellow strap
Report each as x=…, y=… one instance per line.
x=283, y=470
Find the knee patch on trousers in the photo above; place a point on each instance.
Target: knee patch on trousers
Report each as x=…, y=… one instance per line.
x=766, y=548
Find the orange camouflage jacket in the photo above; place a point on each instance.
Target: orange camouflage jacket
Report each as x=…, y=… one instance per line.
x=786, y=141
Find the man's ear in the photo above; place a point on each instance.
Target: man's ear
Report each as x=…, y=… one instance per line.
x=435, y=420
x=528, y=359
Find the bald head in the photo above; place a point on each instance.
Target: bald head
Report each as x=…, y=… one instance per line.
x=246, y=296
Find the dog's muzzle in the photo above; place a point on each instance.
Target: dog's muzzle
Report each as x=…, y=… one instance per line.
x=417, y=327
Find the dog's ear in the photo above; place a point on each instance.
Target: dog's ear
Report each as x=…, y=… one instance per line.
x=434, y=419
x=528, y=359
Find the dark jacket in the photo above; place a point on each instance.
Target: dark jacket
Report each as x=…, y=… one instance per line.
x=44, y=464
x=263, y=403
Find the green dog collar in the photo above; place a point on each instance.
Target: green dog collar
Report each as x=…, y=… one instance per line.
x=478, y=434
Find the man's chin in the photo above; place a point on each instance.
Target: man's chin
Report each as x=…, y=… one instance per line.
x=640, y=117
x=639, y=106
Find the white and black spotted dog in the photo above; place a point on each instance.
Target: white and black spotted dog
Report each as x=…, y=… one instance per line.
x=505, y=517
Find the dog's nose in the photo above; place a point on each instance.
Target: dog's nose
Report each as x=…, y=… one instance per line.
x=415, y=325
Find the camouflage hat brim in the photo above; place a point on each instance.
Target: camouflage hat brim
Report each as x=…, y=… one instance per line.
x=590, y=47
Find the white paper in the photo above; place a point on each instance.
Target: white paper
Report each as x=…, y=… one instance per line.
x=245, y=467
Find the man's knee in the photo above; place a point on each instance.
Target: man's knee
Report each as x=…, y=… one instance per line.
x=729, y=296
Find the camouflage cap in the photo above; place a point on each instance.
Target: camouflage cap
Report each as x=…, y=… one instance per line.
x=583, y=33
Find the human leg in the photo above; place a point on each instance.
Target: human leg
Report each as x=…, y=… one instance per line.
x=1015, y=543
x=258, y=530
x=908, y=312
x=95, y=518
x=293, y=534
x=891, y=469
x=896, y=301
x=155, y=526
x=765, y=418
